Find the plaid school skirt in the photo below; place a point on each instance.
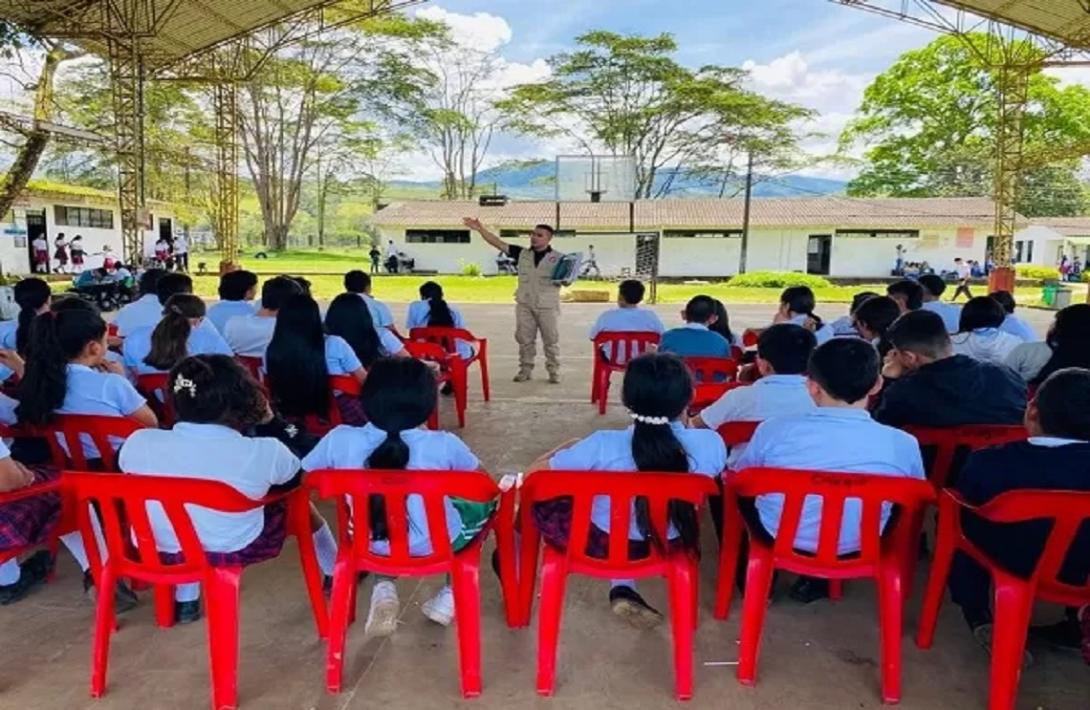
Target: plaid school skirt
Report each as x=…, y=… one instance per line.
x=28, y=521
x=553, y=520
x=351, y=409
x=265, y=546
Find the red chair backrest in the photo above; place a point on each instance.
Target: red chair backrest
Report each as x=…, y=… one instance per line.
x=431, y=352
x=112, y=330
x=834, y=489
x=394, y=488
x=622, y=489
x=154, y=388
x=735, y=433
x=446, y=337
x=707, y=393
x=253, y=364
x=712, y=369
x=121, y=504
x=623, y=346
x=947, y=441
x=750, y=337
x=345, y=384
x=1068, y=511
x=71, y=428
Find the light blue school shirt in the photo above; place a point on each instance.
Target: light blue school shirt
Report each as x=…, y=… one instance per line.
x=611, y=450
x=202, y=341
x=103, y=393
x=143, y=312
x=1019, y=328
x=626, y=320
x=694, y=340
x=420, y=311
x=844, y=326
x=340, y=358
x=7, y=333
x=380, y=312
x=223, y=311
x=348, y=447
x=823, y=334
x=834, y=440
x=949, y=312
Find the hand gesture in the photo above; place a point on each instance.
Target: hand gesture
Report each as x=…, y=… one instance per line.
x=113, y=367
x=473, y=223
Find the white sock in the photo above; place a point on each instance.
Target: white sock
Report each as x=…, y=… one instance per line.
x=190, y=592
x=10, y=572
x=74, y=543
x=325, y=546
x=630, y=583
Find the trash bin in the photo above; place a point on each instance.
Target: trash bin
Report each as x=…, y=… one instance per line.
x=1048, y=295
x=1062, y=298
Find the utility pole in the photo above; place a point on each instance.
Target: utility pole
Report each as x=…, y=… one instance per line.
x=745, y=216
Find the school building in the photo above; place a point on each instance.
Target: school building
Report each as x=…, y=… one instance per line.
x=51, y=209
x=832, y=235
x=1047, y=239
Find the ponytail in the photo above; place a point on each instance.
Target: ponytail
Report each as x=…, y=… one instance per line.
x=170, y=339
x=56, y=338
x=439, y=313
x=30, y=295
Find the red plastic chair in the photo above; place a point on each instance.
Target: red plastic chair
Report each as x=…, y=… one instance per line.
x=70, y=428
x=448, y=338
x=52, y=542
x=1014, y=597
x=947, y=442
x=154, y=388
x=355, y=553
x=750, y=337
x=448, y=372
x=712, y=369
x=345, y=384
x=622, y=347
x=254, y=365
x=737, y=433
x=679, y=567
x=882, y=557
x=705, y=394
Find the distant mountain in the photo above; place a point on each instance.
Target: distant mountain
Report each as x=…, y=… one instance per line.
x=536, y=180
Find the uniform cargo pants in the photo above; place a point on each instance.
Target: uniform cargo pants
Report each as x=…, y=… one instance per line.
x=528, y=322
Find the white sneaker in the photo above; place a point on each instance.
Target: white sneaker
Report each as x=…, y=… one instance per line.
x=440, y=608
x=382, y=618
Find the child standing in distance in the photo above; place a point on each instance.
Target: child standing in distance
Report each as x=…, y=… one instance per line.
x=628, y=317
x=797, y=305
x=657, y=390
x=398, y=397
x=78, y=254
x=216, y=400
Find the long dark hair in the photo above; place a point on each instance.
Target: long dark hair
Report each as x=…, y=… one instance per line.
x=56, y=338
x=295, y=360
x=659, y=386
x=1069, y=338
x=216, y=389
x=722, y=322
x=31, y=294
x=439, y=314
x=349, y=317
x=800, y=300
x=981, y=312
x=170, y=339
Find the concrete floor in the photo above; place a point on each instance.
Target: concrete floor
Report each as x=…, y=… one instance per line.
x=820, y=656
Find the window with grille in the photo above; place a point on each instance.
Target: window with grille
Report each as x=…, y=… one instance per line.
x=437, y=236
x=880, y=233
x=83, y=217
x=702, y=234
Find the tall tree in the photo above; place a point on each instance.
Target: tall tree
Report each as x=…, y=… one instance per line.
x=929, y=125
x=627, y=95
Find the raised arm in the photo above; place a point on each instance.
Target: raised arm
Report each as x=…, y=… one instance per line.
x=475, y=224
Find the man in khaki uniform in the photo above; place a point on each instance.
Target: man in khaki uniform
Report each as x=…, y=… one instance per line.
x=537, y=297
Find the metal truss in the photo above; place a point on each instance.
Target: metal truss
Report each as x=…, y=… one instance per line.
x=127, y=84
x=225, y=203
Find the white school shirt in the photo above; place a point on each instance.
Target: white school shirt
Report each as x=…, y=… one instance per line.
x=949, y=312
x=222, y=311
x=138, y=344
x=823, y=334
x=103, y=393
x=391, y=250
x=143, y=312
x=420, y=311
x=340, y=358
x=40, y=244
x=250, y=335
x=834, y=440
x=348, y=447
x=181, y=246
x=963, y=270
x=1019, y=328
x=611, y=450
x=249, y=465
x=986, y=345
x=768, y=397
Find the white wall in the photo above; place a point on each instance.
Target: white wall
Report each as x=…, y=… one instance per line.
x=699, y=256
x=1047, y=244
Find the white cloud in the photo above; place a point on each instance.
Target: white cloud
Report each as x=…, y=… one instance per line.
x=481, y=30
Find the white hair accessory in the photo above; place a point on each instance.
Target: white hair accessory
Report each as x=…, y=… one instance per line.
x=183, y=383
x=653, y=421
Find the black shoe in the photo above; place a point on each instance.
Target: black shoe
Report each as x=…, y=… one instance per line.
x=32, y=572
x=630, y=606
x=1065, y=635
x=187, y=612
x=125, y=599
x=809, y=589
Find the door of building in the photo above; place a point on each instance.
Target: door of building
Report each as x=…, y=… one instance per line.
x=819, y=252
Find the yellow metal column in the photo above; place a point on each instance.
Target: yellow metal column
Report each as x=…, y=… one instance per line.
x=127, y=86
x=1013, y=87
x=226, y=108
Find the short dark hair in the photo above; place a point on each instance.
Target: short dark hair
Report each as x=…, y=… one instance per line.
x=547, y=228
x=700, y=309
x=981, y=312
x=787, y=348
x=1006, y=299
x=172, y=284
x=277, y=290
x=222, y=392
x=799, y=299
x=860, y=298
x=1063, y=404
x=234, y=285
x=933, y=284
x=632, y=291
x=846, y=368
x=911, y=290
x=878, y=314
x=149, y=281
x=920, y=332
x=357, y=282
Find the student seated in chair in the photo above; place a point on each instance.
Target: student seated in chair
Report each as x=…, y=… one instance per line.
x=627, y=317
x=837, y=436
x=695, y=338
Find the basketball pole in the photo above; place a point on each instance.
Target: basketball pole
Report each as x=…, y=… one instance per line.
x=745, y=216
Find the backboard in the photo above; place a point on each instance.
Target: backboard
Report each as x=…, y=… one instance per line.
x=595, y=178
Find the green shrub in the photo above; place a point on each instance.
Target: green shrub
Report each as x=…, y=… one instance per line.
x=778, y=279
x=1038, y=273
x=471, y=269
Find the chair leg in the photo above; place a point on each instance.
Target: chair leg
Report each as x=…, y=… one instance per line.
x=1013, y=608
x=730, y=546
x=836, y=589
x=486, y=384
x=104, y=626
x=527, y=576
x=936, y=587
x=460, y=379
x=754, y=605
x=222, y=590
x=164, y=606
x=509, y=582
x=466, y=585
x=554, y=577
x=891, y=603
x=603, y=391
x=682, y=615
x=344, y=584
x=299, y=516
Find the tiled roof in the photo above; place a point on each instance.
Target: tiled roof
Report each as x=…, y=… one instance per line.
x=1067, y=226
x=829, y=211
